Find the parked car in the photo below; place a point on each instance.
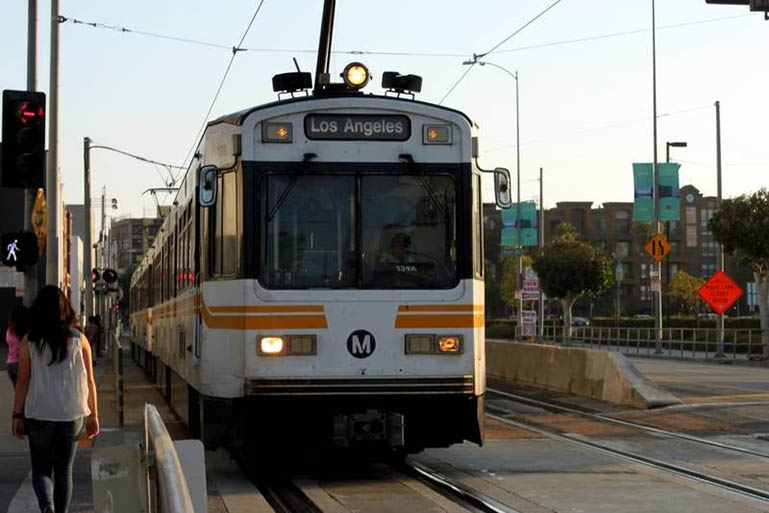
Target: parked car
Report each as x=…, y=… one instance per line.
x=642, y=316
x=580, y=321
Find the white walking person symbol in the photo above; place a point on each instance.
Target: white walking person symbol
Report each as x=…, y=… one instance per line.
x=12, y=247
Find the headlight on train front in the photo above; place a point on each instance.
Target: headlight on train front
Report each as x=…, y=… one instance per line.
x=302, y=344
x=450, y=344
x=420, y=344
x=271, y=346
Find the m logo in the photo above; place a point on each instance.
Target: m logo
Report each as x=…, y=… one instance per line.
x=361, y=344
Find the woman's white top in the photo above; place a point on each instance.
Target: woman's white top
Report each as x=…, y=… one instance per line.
x=57, y=392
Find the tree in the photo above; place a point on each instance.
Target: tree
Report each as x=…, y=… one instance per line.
x=569, y=269
x=510, y=280
x=565, y=231
x=684, y=288
x=742, y=225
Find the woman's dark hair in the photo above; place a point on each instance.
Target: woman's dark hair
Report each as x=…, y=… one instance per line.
x=53, y=317
x=18, y=320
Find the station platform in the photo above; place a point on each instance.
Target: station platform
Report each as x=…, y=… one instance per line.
x=16, y=493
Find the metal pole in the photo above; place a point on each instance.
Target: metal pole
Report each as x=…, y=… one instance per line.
x=541, y=331
x=324, y=45
x=720, y=253
x=87, y=266
x=518, y=209
x=52, y=174
x=30, y=275
x=655, y=191
x=667, y=234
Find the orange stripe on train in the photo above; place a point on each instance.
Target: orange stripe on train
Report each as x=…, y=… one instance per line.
x=440, y=321
x=440, y=308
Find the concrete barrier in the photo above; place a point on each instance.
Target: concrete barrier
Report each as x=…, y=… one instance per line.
x=601, y=375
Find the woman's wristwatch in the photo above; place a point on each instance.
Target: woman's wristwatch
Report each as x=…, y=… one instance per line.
x=18, y=415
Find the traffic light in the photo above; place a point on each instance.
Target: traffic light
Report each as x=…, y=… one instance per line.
x=95, y=275
x=23, y=139
x=19, y=249
x=109, y=275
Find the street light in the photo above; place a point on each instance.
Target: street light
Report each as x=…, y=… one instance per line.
x=518, y=172
x=679, y=144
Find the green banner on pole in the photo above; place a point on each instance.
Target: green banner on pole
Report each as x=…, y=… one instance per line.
x=643, y=180
x=528, y=223
x=669, y=193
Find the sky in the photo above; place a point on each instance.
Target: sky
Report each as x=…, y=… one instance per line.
x=585, y=106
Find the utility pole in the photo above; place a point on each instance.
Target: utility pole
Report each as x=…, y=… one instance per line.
x=720, y=254
x=30, y=275
x=655, y=193
x=518, y=209
x=541, y=244
x=87, y=266
x=52, y=174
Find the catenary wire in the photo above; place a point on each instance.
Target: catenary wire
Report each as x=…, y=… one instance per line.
x=235, y=50
x=600, y=128
x=126, y=30
x=493, y=48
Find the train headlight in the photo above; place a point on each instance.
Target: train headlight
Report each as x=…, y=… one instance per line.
x=450, y=344
x=271, y=346
x=420, y=344
x=302, y=344
x=356, y=75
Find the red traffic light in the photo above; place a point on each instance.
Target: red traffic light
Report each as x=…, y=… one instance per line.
x=95, y=275
x=30, y=112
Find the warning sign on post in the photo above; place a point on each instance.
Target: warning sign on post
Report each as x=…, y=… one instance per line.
x=720, y=292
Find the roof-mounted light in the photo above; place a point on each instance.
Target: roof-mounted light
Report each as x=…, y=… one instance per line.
x=401, y=84
x=291, y=82
x=356, y=75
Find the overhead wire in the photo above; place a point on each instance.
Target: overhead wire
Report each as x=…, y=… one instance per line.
x=235, y=50
x=601, y=128
x=126, y=30
x=493, y=48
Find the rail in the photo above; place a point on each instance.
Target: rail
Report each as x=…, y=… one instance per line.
x=167, y=489
x=738, y=343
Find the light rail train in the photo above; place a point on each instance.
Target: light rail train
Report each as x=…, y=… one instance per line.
x=319, y=278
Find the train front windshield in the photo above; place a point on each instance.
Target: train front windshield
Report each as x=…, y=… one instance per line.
x=370, y=231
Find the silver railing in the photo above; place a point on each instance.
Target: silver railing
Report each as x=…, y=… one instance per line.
x=116, y=351
x=738, y=343
x=167, y=490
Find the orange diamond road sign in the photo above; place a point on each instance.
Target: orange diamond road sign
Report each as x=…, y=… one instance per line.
x=658, y=247
x=720, y=292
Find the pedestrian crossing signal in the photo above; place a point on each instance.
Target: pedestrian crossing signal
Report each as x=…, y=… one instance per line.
x=19, y=249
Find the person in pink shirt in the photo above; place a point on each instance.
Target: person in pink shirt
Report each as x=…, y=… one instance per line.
x=17, y=328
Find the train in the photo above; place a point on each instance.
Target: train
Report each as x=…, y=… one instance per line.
x=319, y=277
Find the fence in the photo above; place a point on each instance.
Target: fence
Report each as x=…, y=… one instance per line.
x=740, y=343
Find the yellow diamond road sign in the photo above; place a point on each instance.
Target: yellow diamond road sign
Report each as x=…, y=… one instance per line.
x=657, y=247
x=40, y=219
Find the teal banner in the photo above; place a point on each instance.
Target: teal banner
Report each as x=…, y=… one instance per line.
x=528, y=224
x=669, y=193
x=643, y=182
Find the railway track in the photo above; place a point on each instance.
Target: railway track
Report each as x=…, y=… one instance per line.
x=555, y=407
x=741, y=489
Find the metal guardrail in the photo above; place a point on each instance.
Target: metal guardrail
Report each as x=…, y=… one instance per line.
x=116, y=350
x=167, y=490
x=681, y=342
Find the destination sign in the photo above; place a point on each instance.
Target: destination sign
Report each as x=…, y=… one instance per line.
x=357, y=127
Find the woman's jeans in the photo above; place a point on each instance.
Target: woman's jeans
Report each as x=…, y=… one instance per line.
x=13, y=372
x=52, y=447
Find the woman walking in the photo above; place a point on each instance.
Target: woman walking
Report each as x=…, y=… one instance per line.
x=17, y=328
x=55, y=396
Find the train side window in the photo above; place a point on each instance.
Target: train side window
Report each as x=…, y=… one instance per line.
x=477, y=227
x=229, y=228
x=217, y=235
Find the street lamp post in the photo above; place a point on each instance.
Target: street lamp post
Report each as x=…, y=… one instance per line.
x=518, y=173
x=679, y=144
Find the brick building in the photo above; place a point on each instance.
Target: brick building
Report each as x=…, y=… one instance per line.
x=610, y=227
